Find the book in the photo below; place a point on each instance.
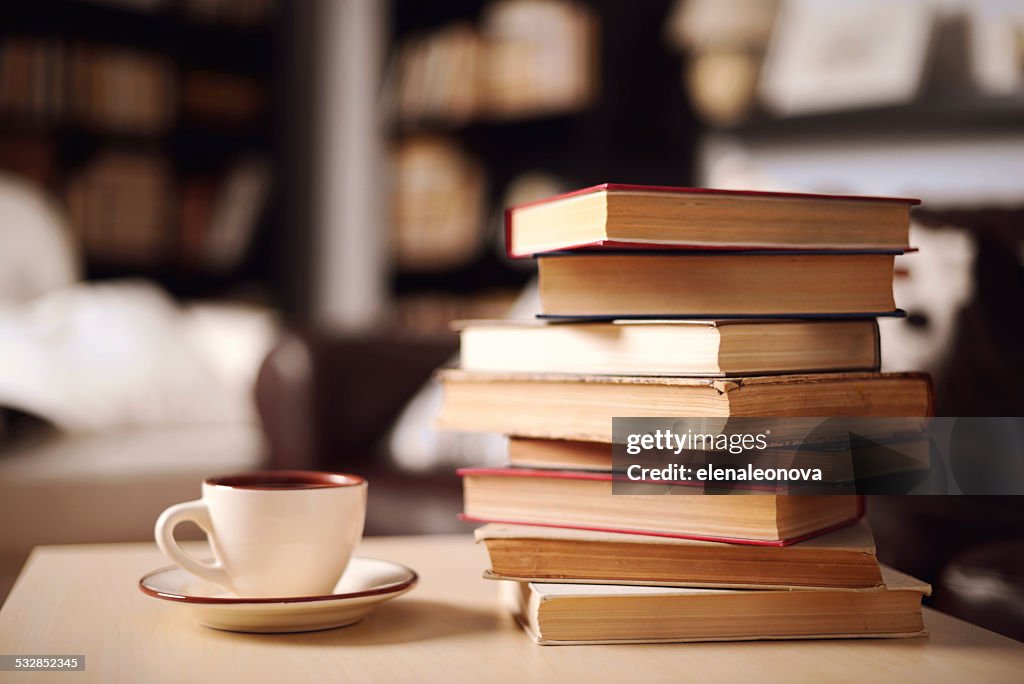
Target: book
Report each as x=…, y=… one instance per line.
x=584, y=500
x=609, y=614
x=221, y=98
x=32, y=72
x=121, y=205
x=437, y=77
x=235, y=214
x=613, y=215
x=669, y=347
x=122, y=90
x=559, y=454
x=716, y=284
x=581, y=407
x=839, y=462
x=437, y=205
x=540, y=57
x=843, y=558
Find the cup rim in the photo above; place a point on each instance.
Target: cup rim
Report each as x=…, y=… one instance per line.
x=292, y=480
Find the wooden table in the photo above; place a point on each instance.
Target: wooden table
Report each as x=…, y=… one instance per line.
x=83, y=599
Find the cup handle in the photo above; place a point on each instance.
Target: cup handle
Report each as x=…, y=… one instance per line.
x=197, y=512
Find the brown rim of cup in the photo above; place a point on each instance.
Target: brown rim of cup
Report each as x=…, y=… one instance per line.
x=285, y=480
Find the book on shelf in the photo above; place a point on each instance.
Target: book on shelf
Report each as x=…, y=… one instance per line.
x=219, y=215
x=122, y=90
x=438, y=76
x=221, y=98
x=198, y=195
x=540, y=56
x=716, y=284
x=841, y=558
x=615, y=216
x=581, y=407
x=32, y=73
x=121, y=206
x=584, y=500
x=526, y=58
x=610, y=614
x=437, y=205
x=669, y=347
x=235, y=213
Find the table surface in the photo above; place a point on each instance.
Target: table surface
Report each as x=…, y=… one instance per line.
x=84, y=600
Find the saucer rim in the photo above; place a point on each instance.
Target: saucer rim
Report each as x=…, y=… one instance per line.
x=393, y=587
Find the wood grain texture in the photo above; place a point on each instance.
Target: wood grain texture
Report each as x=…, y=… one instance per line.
x=83, y=599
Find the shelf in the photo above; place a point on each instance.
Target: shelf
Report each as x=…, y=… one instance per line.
x=967, y=113
x=490, y=125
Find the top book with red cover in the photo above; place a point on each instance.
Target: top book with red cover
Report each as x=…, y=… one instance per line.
x=613, y=216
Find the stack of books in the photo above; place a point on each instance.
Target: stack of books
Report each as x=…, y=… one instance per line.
x=675, y=302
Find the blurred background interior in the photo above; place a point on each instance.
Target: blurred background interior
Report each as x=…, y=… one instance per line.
x=233, y=233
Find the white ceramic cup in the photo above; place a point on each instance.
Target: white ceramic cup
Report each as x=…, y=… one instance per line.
x=274, y=533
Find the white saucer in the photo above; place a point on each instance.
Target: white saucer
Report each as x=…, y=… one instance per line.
x=366, y=583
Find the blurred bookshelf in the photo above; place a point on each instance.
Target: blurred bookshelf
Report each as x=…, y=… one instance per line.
x=496, y=102
x=156, y=123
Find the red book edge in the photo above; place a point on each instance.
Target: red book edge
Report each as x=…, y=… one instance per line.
x=668, y=188
x=577, y=475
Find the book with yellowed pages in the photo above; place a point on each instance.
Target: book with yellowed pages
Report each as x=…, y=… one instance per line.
x=559, y=454
x=584, y=500
x=843, y=558
x=565, y=614
x=716, y=284
x=581, y=407
x=837, y=464
x=670, y=347
x=616, y=216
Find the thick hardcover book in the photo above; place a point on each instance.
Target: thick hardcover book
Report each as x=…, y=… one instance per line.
x=581, y=407
x=562, y=614
x=670, y=347
x=896, y=453
x=616, y=216
x=584, y=500
x=716, y=285
x=843, y=558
